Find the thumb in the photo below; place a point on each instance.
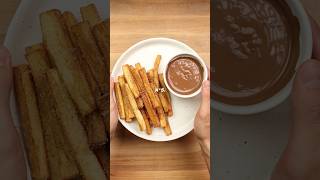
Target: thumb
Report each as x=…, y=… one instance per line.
x=204, y=110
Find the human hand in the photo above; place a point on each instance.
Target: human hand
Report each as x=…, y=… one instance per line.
x=12, y=164
x=301, y=158
x=113, y=111
x=202, y=122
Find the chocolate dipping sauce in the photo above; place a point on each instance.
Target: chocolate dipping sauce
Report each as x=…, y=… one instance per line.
x=184, y=74
x=255, y=49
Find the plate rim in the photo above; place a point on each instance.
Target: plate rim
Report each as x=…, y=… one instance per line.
x=118, y=63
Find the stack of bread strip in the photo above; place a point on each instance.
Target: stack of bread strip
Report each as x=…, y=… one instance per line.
x=61, y=96
x=143, y=96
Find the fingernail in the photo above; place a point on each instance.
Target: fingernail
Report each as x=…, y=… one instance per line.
x=4, y=57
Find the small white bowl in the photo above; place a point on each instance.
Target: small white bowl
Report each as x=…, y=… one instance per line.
x=305, y=53
x=205, y=76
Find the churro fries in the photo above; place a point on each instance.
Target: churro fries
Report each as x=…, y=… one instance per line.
x=143, y=95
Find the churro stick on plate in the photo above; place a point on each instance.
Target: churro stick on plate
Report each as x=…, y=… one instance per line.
x=101, y=33
x=152, y=95
x=119, y=99
x=156, y=94
x=146, y=120
x=127, y=107
x=163, y=85
x=150, y=110
x=34, y=47
x=72, y=129
x=69, y=20
x=137, y=79
x=155, y=71
x=164, y=102
x=30, y=122
x=139, y=102
x=65, y=60
x=90, y=13
x=162, y=117
x=167, y=129
x=91, y=53
x=167, y=95
x=61, y=166
x=150, y=75
x=135, y=108
x=130, y=80
x=138, y=66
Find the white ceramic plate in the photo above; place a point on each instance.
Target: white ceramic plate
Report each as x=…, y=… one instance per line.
x=184, y=110
x=24, y=29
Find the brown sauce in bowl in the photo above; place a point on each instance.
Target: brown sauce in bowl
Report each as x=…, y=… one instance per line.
x=255, y=49
x=184, y=74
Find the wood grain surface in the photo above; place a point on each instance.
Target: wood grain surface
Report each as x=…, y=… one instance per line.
x=135, y=20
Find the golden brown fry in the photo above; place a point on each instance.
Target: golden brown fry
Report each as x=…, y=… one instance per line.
x=137, y=79
x=119, y=99
x=73, y=130
x=162, y=117
x=164, y=102
x=139, y=84
x=139, y=102
x=138, y=66
x=155, y=71
x=90, y=13
x=148, y=88
x=148, y=127
x=60, y=164
x=101, y=33
x=30, y=122
x=127, y=106
x=90, y=53
x=34, y=47
x=130, y=80
x=156, y=94
x=135, y=108
x=37, y=47
x=150, y=75
x=163, y=85
x=150, y=110
x=69, y=20
x=65, y=59
x=96, y=130
x=167, y=95
x=167, y=129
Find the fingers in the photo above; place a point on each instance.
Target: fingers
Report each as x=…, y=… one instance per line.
x=204, y=110
x=316, y=39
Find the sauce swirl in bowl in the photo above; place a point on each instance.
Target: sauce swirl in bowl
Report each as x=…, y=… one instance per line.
x=185, y=74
